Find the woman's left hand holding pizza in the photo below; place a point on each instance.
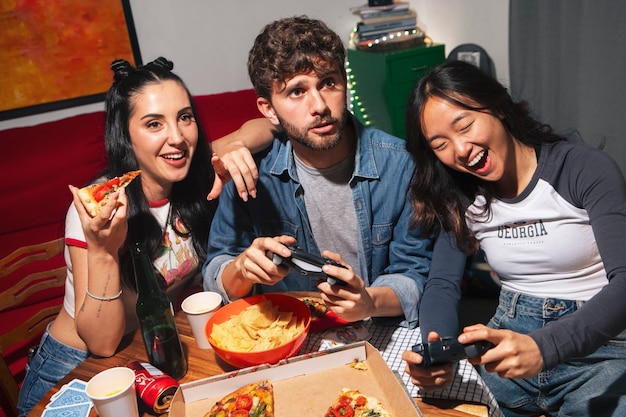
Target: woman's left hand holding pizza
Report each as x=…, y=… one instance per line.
x=108, y=228
x=99, y=315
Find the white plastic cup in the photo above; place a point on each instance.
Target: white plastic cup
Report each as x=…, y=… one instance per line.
x=113, y=392
x=199, y=307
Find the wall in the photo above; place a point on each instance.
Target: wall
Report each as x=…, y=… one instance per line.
x=208, y=41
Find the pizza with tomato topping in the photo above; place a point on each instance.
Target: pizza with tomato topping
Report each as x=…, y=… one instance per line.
x=316, y=306
x=95, y=196
x=321, y=317
x=252, y=400
x=351, y=403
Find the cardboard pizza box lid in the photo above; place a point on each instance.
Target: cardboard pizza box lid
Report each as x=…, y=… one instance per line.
x=305, y=385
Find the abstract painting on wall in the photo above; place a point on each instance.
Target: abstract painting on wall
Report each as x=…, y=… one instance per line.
x=57, y=54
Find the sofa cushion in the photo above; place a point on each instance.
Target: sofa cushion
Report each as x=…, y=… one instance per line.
x=223, y=113
x=42, y=160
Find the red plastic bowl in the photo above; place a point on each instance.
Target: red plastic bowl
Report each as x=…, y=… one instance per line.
x=286, y=350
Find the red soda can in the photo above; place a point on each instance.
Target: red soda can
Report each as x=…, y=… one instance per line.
x=153, y=386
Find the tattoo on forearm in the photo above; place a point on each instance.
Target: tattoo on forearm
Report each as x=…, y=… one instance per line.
x=104, y=291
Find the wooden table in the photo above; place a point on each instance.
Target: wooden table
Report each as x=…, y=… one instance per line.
x=204, y=363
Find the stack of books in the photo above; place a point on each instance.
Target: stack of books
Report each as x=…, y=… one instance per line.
x=380, y=21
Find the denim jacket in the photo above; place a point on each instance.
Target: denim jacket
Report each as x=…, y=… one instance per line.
x=391, y=253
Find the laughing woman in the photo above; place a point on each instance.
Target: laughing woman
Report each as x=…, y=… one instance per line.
x=551, y=217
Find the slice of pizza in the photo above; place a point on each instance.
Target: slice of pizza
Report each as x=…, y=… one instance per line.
x=95, y=196
x=321, y=317
x=252, y=400
x=316, y=306
x=351, y=403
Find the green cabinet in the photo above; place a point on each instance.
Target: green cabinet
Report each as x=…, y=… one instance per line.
x=380, y=83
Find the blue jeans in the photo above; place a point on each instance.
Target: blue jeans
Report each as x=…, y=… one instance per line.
x=594, y=385
x=52, y=361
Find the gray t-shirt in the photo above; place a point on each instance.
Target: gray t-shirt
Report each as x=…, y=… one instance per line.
x=330, y=208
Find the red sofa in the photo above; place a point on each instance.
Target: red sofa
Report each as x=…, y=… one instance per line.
x=40, y=161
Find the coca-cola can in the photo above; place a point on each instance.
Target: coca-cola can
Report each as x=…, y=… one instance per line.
x=155, y=388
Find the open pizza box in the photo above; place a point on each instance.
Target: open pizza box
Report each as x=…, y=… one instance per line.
x=305, y=385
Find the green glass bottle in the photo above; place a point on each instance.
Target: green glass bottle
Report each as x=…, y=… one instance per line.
x=156, y=318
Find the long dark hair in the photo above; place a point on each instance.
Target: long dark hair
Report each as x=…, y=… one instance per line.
x=188, y=197
x=441, y=195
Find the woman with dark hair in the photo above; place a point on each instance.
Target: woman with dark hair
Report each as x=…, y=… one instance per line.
x=550, y=216
x=151, y=126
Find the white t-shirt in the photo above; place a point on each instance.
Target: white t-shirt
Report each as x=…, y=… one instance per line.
x=176, y=260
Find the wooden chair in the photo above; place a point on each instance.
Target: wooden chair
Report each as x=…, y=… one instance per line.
x=15, y=296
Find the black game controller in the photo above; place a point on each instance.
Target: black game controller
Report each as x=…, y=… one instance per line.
x=449, y=350
x=307, y=264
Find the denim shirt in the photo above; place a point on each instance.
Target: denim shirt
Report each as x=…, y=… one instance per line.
x=391, y=252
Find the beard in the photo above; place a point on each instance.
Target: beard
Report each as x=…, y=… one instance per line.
x=323, y=142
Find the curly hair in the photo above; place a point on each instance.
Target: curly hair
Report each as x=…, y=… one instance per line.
x=188, y=198
x=292, y=46
x=440, y=195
